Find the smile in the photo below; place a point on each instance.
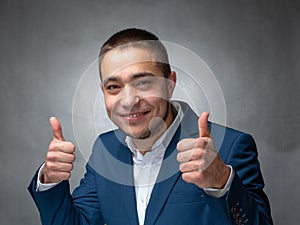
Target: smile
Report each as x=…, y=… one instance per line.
x=134, y=117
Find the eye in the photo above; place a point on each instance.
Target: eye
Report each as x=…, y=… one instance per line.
x=144, y=83
x=112, y=88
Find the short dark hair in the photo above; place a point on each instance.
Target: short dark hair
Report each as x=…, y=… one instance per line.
x=138, y=38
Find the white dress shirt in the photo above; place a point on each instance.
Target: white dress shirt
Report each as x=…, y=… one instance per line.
x=146, y=168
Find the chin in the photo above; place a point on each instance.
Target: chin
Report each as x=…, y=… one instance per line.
x=138, y=135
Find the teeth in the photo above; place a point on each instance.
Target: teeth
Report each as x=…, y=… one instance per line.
x=135, y=115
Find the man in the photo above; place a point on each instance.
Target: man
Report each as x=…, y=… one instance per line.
x=161, y=166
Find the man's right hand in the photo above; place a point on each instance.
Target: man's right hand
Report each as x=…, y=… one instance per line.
x=60, y=156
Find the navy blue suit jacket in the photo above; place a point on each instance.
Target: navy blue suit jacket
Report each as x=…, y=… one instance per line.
x=106, y=194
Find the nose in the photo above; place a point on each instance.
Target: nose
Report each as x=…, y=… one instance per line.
x=129, y=97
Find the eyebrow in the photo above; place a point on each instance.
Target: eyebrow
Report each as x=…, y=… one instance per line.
x=110, y=79
x=133, y=77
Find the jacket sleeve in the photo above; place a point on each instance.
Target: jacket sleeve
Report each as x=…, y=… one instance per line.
x=245, y=202
x=58, y=207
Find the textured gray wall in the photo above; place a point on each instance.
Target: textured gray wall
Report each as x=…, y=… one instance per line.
x=253, y=47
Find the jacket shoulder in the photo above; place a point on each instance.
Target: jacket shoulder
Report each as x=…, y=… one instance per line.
x=226, y=138
x=109, y=140
x=226, y=133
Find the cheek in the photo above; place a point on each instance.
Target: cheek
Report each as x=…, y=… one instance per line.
x=158, y=103
x=158, y=93
x=109, y=102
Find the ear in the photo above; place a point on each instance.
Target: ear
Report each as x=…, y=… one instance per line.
x=101, y=86
x=171, y=83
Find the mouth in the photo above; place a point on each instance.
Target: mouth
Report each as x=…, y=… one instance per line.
x=134, y=117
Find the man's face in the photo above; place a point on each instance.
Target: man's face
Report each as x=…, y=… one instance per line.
x=135, y=91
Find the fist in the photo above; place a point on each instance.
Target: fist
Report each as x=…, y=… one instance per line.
x=199, y=160
x=60, y=156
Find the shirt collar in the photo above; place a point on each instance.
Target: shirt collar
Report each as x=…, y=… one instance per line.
x=164, y=140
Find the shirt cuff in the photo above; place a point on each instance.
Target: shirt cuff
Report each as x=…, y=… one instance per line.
x=218, y=193
x=39, y=185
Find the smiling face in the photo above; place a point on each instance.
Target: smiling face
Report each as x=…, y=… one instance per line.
x=136, y=93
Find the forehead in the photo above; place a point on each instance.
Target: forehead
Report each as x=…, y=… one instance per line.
x=127, y=60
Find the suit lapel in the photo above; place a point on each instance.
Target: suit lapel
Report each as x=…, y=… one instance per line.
x=128, y=191
x=164, y=183
x=169, y=172
x=158, y=198
x=128, y=194
x=167, y=178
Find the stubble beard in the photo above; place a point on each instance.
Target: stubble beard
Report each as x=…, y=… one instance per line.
x=152, y=130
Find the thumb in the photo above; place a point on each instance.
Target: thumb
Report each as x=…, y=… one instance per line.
x=56, y=128
x=203, y=125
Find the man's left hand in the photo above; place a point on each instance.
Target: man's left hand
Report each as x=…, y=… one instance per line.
x=199, y=160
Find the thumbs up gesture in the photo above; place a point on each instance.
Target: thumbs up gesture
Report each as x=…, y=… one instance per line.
x=199, y=161
x=60, y=156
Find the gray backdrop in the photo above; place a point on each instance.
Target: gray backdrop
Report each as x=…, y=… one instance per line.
x=252, y=46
